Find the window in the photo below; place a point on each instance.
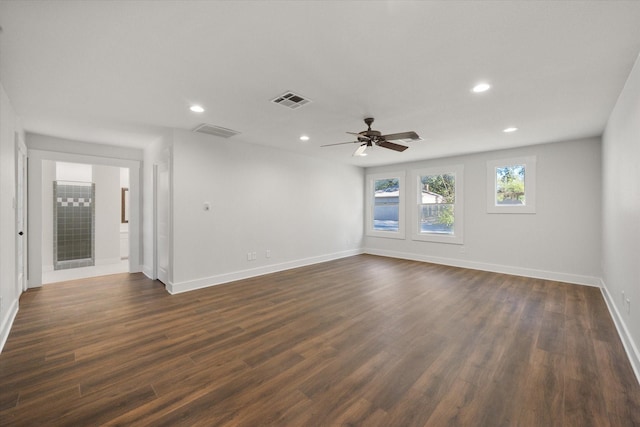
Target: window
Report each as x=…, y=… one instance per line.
x=511, y=185
x=438, y=212
x=385, y=205
x=386, y=208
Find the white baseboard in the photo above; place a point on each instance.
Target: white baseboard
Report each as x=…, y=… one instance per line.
x=176, y=288
x=627, y=341
x=147, y=271
x=7, y=323
x=107, y=261
x=494, y=268
x=136, y=268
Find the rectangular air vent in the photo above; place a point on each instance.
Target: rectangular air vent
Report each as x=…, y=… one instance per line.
x=406, y=140
x=291, y=100
x=215, y=130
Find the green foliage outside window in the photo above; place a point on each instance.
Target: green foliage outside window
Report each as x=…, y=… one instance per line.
x=445, y=186
x=510, y=184
x=386, y=184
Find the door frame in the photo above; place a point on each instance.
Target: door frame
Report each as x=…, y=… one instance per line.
x=21, y=205
x=154, y=270
x=34, y=215
x=156, y=188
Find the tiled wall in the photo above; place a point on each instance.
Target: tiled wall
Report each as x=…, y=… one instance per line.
x=73, y=224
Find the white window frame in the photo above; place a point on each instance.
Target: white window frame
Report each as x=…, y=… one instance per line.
x=529, y=185
x=370, y=203
x=458, y=206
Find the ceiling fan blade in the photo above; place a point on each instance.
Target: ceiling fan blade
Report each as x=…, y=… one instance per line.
x=360, y=151
x=340, y=143
x=401, y=135
x=392, y=146
x=359, y=135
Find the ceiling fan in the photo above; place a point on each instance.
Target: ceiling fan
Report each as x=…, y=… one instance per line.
x=369, y=137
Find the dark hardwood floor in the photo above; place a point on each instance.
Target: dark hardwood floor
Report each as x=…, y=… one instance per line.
x=361, y=341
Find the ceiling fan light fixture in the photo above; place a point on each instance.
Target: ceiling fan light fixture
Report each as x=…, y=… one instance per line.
x=481, y=87
x=360, y=151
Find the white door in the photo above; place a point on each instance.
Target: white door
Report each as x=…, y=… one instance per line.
x=162, y=222
x=21, y=214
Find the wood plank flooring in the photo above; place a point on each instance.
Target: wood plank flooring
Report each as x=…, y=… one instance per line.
x=361, y=341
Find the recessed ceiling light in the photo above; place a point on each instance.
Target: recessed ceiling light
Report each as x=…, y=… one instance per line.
x=481, y=87
x=304, y=138
x=196, y=109
x=509, y=130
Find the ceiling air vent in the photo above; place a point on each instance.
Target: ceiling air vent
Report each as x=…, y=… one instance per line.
x=215, y=130
x=406, y=140
x=291, y=100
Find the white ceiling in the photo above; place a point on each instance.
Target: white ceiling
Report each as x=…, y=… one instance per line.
x=120, y=72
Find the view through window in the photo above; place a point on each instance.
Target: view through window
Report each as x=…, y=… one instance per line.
x=386, y=209
x=510, y=183
x=437, y=197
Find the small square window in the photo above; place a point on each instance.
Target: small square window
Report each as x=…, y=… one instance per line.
x=511, y=185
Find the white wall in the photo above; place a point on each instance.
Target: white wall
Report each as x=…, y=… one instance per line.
x=560, y=242
x=154, y=154
x=124, y=226
x=303, y=210
x=49, y=171
x=60, y=145
x=9, y=292
x=73, y=172
x=124, y=177
x=107, y=211
x=621, y=214
x=124, y=183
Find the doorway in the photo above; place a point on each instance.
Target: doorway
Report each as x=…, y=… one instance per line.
x=108, y=255
x=81, y=221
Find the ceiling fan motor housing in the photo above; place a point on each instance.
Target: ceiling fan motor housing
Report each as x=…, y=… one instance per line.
x=371, y=135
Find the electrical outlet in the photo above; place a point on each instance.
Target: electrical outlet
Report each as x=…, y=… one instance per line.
x=248, y=256
x=254, y=256
x=628, y=301
x=463, y=249
x=624, y=299
x=267, y=253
